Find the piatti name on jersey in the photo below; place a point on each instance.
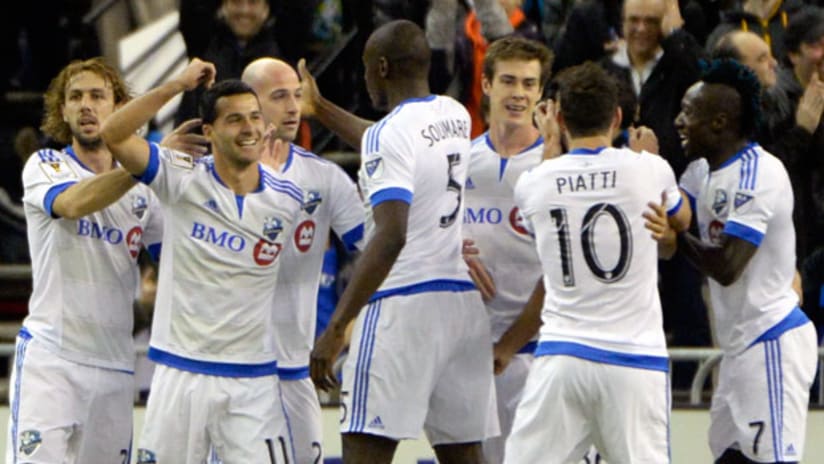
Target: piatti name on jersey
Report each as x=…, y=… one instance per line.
x=586, y=182
x=445, y=129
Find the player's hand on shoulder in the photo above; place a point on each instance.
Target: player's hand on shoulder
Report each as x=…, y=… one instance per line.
x=183, y=139
x=643, y=139
x=310, y=93
x=197, y=72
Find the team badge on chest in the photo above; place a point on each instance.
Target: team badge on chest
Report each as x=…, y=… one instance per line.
x=30, y=440
x=311, y=201
x=139, y=205
x=719, y=203
x=272, y=227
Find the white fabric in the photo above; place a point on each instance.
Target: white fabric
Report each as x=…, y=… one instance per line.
x=303, y=417
x=84, y=271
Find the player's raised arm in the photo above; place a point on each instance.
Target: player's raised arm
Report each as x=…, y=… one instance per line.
x=346, y=125
x=92, y=194
x=119, y=130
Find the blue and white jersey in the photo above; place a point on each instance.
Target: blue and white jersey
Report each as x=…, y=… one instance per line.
x=599, y=262
x=492, y=220
x=419, y=154
x=213, y=312
x=331, y=201
x=749, y=197
x=84, y=271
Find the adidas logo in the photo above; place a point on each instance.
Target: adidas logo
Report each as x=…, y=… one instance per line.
x=212, y=205
x=376, y=423
x=469, y=183
x=790, y=450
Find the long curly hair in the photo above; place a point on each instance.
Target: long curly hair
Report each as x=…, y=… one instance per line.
x=53, y=124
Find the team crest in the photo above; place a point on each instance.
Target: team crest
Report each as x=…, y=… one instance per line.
x=741, y=199
x=374, y=168
x=311, y=201
x=30, y=440
x=719, y=203
x=139, y=205
x=272, y=227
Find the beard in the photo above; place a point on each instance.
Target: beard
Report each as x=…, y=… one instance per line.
x=89, y=143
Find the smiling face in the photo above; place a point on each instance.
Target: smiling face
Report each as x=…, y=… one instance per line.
x=513, y=91
x=237, y=131
x=694, y=122
x=642, y=26
x=245, y=17
x=88, y=101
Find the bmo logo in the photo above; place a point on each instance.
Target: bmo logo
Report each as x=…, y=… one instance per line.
x=111, y=235
x=265, y=252
x=305, y=235
x=517, y=221
x=221, y=239
x=483, y=216
x=134, y=241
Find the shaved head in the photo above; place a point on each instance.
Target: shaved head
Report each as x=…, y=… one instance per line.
x=278, y=88
x=403, y=44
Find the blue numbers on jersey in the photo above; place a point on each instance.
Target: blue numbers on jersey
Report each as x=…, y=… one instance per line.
x=559, y=218
x=452, y=185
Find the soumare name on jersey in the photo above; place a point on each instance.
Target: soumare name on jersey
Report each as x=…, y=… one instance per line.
x=585, y=182
x=445, y=129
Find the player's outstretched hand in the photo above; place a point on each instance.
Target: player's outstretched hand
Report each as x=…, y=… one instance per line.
x=657, y=222
x=643, y=139
x=322, y=360
x=197, y=73
x=501, y=356
x=477, y=271
x=310, y=96
x=183, y=139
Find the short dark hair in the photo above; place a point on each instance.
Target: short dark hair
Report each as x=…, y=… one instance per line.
x=518, y=48
x=403, y=44
x=208, y=102
x=805, y=25
x=588, y=97
x=743, y=80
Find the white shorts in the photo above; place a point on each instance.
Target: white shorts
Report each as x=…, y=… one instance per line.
x=66, y=412
x=421, y=361
x=570, y=404
x=303, y=416
x=242, y=418
x=760, y=404
x=509, y=387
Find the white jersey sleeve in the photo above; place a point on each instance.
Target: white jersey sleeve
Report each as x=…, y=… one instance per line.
x=666, y=178
x=754, y=202
x=347, y=210
x=46, y=174
x=167, y=171
x=694, y=177
x=389, y=165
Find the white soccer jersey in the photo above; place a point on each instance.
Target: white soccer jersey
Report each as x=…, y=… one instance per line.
x=419, y=154
x=213, y=313
x=749, y=197
x=331, y=200
x=599, y=262
x=492, y=220
x=84, y=271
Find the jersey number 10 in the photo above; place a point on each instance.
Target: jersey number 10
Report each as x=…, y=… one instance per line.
x=559, y=219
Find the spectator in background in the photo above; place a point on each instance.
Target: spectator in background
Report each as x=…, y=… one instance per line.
x=591, y=33
x=766, y=18
x=233, y=33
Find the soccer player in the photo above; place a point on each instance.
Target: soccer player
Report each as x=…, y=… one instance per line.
x=331, y=200
x=744, y=204
x=600, y=372
x=421, y=353
x=71, y=391
x=228, y=219
x=514, y=73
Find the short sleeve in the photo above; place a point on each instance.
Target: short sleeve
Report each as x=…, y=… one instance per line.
x=166, y=172
x=153, y=231
x=521, y=201
x=47, y=174
x=694, y=176
x=760, y=190
x=347, y=209
x=668, y=185
x=388, y=164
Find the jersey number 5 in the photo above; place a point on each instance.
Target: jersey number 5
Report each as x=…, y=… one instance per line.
x=452, y=185
x=559, y=219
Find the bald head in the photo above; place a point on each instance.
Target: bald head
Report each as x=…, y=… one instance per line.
x=278, y=88
x=403, y=44
x=752, y=51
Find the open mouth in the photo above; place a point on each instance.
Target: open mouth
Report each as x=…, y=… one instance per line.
x=513, y=108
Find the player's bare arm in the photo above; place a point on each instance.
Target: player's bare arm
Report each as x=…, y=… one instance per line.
x=521, y=331
x=120, y=129
x=372, y=268
x=477, y=271
x=724, y=263
x=92, y=194
x=346, y=125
